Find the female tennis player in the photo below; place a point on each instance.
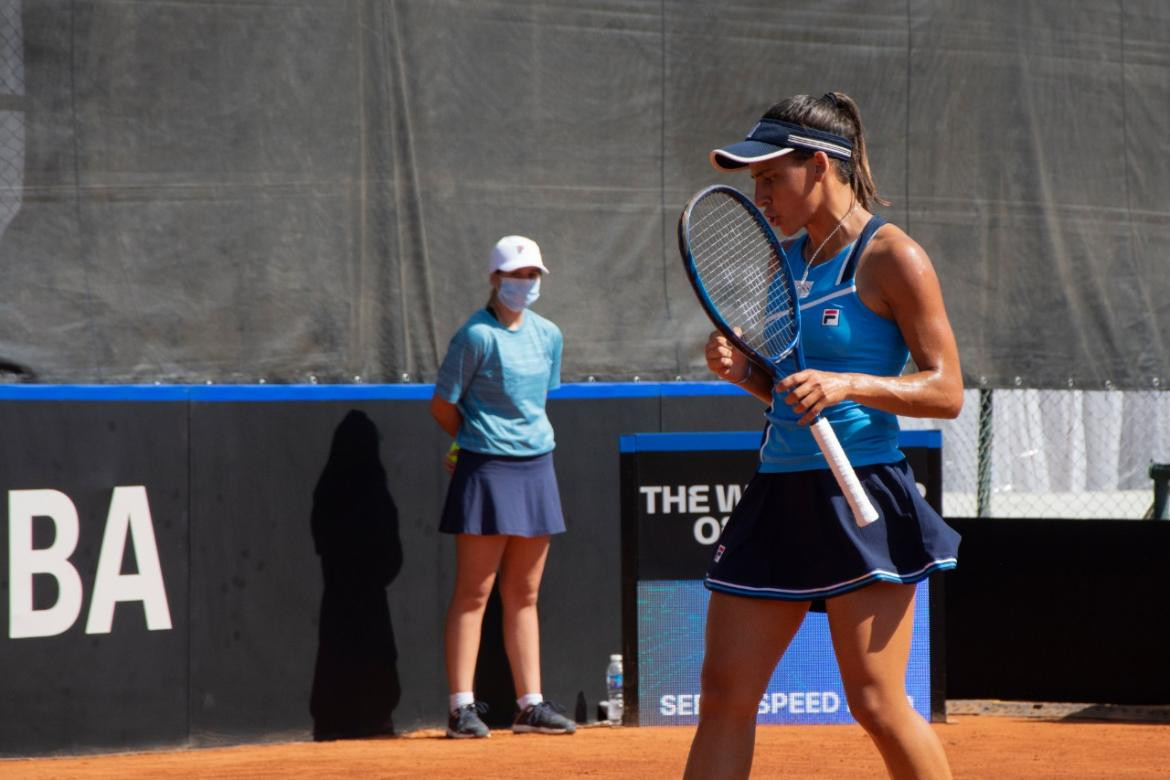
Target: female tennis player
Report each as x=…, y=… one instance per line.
x=870, y=299
x=502, y=503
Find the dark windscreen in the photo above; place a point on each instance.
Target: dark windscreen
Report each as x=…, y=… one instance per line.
x=226, y=192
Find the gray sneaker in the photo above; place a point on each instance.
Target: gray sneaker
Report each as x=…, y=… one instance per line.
x=543, y=718
x=465, y=723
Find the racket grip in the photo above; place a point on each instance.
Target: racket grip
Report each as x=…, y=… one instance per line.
x=863, y=511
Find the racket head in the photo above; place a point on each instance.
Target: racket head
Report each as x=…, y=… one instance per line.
x=740, y=274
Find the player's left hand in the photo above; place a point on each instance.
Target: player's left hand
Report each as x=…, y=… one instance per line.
x=810, y=392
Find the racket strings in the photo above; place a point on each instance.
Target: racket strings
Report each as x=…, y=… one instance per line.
x=742, y=274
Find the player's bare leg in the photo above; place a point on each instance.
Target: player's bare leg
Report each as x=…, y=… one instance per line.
x=520, y=573
x=871, y=630
x=744, y=640
x=477, y=558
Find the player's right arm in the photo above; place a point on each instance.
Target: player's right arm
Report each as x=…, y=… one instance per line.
x=446, y=414
x=727, y=362
x=456, y=373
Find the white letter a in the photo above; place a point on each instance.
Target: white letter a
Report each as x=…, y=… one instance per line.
x=129, y=514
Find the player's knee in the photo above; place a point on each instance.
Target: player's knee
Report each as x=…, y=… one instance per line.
x=517, y=596
x=876, y=712
x=471, y=597
x=724, y=693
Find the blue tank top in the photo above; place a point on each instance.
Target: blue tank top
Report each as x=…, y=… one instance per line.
x=838, y=333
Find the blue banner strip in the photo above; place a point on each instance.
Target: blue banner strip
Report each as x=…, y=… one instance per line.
x=741, y=440
x=309, y=393
x=403, y=392
x=95, y=392
x=690, y=442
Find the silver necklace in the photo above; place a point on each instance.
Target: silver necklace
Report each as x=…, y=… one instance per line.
x=803, y=287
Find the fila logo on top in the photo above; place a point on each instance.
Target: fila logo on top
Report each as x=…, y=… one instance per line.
x=831, y=317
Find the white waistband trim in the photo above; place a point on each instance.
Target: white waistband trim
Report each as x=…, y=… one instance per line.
x=814, y=592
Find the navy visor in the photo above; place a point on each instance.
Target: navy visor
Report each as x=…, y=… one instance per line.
x=773, y=138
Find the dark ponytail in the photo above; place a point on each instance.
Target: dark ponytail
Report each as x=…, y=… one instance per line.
x=835, y=112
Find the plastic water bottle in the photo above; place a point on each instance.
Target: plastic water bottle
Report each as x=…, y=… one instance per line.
x=613, y=687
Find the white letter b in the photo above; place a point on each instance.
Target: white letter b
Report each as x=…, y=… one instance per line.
x=24, y=562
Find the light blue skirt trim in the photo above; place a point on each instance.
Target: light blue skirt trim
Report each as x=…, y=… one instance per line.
x=784, y=594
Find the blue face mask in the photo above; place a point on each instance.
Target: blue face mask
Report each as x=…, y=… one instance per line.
x=518, y=294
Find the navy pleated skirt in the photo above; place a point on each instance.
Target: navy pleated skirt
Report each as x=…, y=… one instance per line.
x=498, y=494
x=793, y=537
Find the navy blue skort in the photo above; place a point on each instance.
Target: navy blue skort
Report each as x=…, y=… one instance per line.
x=500, y=494
x=793, y=537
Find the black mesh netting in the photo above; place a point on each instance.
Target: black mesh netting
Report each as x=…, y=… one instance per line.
x=230, y=191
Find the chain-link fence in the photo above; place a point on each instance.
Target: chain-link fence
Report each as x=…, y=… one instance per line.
x=1053, y=453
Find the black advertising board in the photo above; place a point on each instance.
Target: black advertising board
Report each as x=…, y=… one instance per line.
x=677, y=492
x=165, y=548
x=94, y=507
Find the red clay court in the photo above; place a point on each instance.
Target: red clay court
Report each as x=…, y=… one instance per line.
x=980, y=747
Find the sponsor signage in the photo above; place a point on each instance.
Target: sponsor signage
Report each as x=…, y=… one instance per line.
x=94, y=571
x=677, y=492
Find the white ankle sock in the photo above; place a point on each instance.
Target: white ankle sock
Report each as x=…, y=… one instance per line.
x=528, y=699
x=461, y=699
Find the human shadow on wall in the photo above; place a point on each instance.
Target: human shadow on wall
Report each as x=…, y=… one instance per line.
x=355, y=532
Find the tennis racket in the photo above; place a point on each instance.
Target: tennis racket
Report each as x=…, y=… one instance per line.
x=741, y=277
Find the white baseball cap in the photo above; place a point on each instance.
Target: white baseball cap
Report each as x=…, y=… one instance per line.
x=513, y=252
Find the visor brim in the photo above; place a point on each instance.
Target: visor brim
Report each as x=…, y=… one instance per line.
x=736, y=156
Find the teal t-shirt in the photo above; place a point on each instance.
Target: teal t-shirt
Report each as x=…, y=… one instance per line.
x=499, y=379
